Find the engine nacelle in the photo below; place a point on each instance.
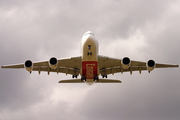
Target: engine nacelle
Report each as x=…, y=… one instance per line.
x=53, y=63
x=150, y=65
x=28, y=65
x=125, y=62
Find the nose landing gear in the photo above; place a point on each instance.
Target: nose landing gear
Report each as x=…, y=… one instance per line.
x=89, y=53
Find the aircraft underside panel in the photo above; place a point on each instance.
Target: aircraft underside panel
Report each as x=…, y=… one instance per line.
x=89, y=69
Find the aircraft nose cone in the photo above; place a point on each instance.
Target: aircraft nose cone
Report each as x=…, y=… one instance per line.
x=90, y=39
x=88, y=33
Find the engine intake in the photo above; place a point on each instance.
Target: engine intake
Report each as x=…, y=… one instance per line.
x=53, y=63
x=150, y=65
x=28, y=65
x=125, y=62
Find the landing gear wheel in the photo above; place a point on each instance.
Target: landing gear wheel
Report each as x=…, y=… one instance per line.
x=96, y=78
x=104, y=76
x=74, y=76
x=83, y=78
x=89, y=53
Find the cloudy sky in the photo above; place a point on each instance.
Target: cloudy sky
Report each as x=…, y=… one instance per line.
x=38, y=30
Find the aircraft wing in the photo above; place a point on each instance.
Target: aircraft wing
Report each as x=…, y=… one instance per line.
x=111, y=65
x=68, y=66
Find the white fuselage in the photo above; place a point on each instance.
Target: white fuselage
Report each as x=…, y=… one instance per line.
x=89, y=49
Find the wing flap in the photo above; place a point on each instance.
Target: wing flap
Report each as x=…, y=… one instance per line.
x=118, y=70
x=58, y=70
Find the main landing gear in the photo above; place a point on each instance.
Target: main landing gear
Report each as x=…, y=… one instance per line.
x=74, y=76
x=83, y=78
x=96, y=78
x=104, y=76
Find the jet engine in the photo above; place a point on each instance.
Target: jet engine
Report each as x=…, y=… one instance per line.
x=125, y=62
x=53, y=63
x=150, y=65
x=28, y=65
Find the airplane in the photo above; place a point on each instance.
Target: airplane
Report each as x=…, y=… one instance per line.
x=90, y=65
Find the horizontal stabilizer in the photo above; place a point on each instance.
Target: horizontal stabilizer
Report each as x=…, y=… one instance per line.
x=99, y=81
x=108, y=81
x=71, y=81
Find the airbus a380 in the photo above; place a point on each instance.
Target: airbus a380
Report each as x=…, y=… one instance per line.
x=89, y=65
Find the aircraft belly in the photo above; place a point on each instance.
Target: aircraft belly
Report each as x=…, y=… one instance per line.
x=89, y=66
x=89, y=70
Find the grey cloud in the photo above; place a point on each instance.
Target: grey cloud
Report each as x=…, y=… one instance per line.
x=35, y=29
x=138, y=98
